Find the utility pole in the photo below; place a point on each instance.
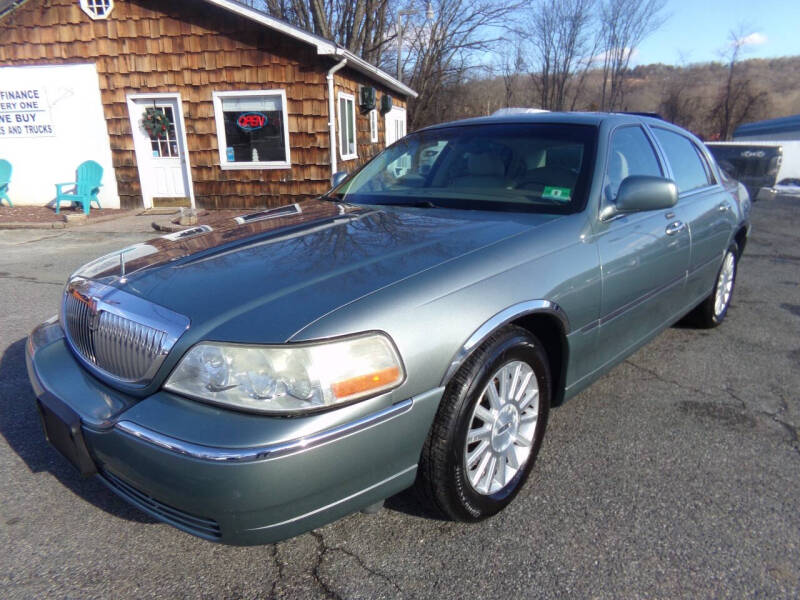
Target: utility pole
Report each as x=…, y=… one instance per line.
x=401, y=29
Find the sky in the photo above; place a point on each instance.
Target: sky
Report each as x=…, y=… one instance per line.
x=696, y=30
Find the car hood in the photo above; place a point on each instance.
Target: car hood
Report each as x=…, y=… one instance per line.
x=262, y=280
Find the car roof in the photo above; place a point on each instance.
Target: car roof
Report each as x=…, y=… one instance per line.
x=577, y=118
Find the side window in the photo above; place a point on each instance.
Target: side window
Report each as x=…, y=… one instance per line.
x=688, y=168
x=347, y=126
x=712, y=179
x=630, y=154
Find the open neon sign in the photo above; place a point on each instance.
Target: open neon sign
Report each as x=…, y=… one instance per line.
x=251, y=121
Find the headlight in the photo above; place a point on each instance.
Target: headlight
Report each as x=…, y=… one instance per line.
x=289, y=378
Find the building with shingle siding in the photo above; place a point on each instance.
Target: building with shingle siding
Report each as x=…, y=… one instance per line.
x=207, y=103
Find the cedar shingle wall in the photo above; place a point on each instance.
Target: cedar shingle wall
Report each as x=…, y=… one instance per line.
x=193, y=49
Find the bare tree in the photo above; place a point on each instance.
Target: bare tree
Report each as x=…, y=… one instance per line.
x=443, y=51
x=738, y=99
x=560, y=35
x=680, y=102
x=361, y=26
x=624, y=24
x=512, y=64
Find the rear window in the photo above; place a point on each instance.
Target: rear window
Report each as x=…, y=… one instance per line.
x=688, y=167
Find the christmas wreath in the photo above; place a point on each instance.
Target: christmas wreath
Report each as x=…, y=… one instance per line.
x=155, y=122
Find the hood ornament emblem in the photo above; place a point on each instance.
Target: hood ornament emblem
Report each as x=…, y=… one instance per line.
x=122, y=278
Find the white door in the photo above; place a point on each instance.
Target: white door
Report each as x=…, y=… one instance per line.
x=395, y=125
x=160, y=156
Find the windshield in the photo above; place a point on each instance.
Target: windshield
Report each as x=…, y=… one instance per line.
x=504, y=167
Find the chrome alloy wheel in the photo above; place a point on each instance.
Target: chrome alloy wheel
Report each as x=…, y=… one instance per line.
x=725, y=284
x=502, y=426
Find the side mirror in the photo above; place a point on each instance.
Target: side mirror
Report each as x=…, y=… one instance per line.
x=338, y=178
x=642, y=192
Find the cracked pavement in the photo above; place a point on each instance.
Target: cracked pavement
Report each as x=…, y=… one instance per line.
x=676, y=475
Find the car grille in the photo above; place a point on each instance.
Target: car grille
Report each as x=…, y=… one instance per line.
x=119, y=346
x=199, y=526
x=118, y=335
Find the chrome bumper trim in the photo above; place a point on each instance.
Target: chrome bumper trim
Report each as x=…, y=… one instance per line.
x=214, y=454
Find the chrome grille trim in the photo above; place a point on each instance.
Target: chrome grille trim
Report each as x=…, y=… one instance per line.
x=125, y=347
x=118, y=336
x=78, y=315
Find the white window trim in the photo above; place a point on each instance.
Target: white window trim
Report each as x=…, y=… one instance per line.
x=373, y=125
x=221, y=141
x=388, y=116
x=354, y=155
x=94, y=16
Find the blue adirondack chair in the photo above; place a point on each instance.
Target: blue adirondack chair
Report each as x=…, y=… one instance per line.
x=85, y=188
x=5, y=179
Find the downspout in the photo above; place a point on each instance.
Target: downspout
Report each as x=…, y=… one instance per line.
x=331, y=112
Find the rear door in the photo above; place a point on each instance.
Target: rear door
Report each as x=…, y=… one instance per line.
x=705, y=205
x=644, y=255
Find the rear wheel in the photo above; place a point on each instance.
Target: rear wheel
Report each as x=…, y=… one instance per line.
x=711, y=312
x=488, y=429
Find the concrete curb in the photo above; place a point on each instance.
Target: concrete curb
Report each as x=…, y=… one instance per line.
x=66, y=224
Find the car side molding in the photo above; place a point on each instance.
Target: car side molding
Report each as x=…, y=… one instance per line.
x=504, y=317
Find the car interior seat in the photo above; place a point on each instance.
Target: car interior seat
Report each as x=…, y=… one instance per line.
x=483, y=170
x=617, y=171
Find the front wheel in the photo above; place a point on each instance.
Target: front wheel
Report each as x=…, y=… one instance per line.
x=711, y=312
x=489, y=428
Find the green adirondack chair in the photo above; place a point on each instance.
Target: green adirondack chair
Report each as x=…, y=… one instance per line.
x=85, y=188
x=5, y=180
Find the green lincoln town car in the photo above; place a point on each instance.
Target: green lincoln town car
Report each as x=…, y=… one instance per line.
x=255, y=378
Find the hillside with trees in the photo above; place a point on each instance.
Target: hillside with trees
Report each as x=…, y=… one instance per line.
x=692, y=96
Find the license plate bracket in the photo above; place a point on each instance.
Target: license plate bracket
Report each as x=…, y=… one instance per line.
x=62, y=428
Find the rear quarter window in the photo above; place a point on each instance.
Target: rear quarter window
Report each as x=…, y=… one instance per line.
x=688, y=167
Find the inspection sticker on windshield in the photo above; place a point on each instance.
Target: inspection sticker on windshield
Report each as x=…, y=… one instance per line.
x=556, y=193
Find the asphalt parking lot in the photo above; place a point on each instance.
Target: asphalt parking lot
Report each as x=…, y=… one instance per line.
x=677, y=475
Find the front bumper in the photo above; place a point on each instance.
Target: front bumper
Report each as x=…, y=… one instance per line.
x=233, y=477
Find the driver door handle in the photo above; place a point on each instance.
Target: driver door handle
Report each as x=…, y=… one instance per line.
x=675, y=227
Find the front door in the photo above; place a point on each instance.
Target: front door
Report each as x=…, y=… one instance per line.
x=160, y=151
x=395, y=125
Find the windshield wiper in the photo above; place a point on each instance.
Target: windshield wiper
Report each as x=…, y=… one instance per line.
x=329, y=198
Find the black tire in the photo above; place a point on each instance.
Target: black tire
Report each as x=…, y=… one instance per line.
x=706, y=315
x=442, y=474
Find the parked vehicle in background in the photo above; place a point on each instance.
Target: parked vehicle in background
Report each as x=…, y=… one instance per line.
x=254, y=379
x=755, y=164
x=784, y=131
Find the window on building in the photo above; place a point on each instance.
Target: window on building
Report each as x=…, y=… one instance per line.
x=373, y=125
x=97, y=9
x=165, y=145
x=687, y=167
x=252, y=129
x=395, y=125
x=347, y=126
